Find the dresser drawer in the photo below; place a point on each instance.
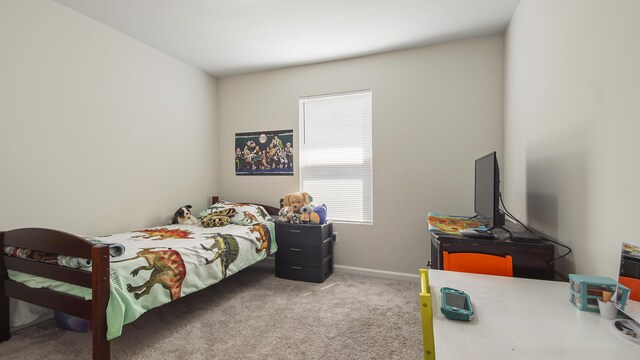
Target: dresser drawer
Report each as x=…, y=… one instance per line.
x=303, y=272
x=303, y=254
x=303, y=234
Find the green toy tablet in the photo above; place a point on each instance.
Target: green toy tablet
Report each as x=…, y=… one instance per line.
x=456, y=304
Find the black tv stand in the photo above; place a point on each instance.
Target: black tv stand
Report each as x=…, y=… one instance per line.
x=531, y=258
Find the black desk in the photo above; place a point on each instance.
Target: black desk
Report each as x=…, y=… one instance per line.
x=530, y=260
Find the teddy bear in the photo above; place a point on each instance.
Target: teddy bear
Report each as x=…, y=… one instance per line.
x=296, y=201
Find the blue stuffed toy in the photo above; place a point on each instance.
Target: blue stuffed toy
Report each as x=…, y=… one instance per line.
x=319, y=215
x=305, y=213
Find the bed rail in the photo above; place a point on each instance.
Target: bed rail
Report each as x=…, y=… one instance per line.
x=53, y=241
x=50, y=271
x=61, y=243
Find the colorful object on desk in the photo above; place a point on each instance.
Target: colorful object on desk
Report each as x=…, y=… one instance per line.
x=608, y=309
x=585, y=291
x=451, y=224
x=456, y=304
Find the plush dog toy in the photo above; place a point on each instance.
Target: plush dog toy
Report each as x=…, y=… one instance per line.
x=183, y=216
x=319, y=215
x=297, y=200
x=305, y=213
x=285, y=214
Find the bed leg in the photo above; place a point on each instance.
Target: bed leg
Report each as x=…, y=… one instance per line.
x=100, y=299
x=5, y=332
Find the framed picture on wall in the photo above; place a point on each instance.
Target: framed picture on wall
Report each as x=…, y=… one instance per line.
x=264, y=153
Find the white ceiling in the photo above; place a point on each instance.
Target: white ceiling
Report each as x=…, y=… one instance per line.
x=228, y=37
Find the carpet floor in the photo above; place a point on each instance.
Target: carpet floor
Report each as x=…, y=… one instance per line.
x=254, y=315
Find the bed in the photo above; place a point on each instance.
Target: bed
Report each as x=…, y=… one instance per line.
x=158, y=265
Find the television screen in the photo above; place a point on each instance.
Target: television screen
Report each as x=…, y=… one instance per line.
x=487, y=190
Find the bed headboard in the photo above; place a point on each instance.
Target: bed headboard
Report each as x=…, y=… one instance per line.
x=270, y=209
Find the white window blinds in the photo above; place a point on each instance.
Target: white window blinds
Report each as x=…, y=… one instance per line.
x=335, y=154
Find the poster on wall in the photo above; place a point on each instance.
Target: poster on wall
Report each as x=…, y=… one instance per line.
x=264, y=153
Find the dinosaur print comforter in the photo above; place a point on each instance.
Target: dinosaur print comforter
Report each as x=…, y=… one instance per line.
x=164, y=263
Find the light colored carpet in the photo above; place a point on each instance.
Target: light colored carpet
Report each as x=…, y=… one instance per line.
x=254, y=315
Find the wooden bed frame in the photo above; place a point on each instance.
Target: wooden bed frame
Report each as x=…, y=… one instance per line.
x=58, y=242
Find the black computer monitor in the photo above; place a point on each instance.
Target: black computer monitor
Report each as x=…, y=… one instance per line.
x=487, y=191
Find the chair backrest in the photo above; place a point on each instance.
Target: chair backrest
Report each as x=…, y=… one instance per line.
x=633, y=284
x=426, y=310
x=478, y=263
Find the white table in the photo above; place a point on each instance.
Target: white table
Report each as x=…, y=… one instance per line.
x=518, y=318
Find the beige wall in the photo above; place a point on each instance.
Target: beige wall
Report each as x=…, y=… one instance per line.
x=435, y=109
x=99, y=132
x=572, y=125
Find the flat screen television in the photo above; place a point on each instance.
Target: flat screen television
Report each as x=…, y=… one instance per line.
x=486, y=202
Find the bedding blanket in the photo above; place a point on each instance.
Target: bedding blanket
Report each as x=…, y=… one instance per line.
x=164, y=263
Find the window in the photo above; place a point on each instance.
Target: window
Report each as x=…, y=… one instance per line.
x=335, y=154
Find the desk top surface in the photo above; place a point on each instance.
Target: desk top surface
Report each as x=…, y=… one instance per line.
x=518, y=318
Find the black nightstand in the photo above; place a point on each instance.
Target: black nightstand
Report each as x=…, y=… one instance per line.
x=305, y=252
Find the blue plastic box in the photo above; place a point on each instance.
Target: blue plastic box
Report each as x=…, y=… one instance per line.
x=585, y=291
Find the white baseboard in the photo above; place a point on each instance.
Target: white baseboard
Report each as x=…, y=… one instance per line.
x=391, y=275
x=376, y=273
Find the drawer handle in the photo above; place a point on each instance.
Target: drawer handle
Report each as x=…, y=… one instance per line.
x=295, y=231
x=296, y=267
x=295, y=249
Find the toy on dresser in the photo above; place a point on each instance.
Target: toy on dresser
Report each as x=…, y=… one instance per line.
x=305, y=213
x=295, y=201
x=287, y=215
x=292, y=203
x=319, y=215
x=297, y=209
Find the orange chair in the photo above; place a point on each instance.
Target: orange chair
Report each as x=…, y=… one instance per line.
x=478, y=263
x=633, y=284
